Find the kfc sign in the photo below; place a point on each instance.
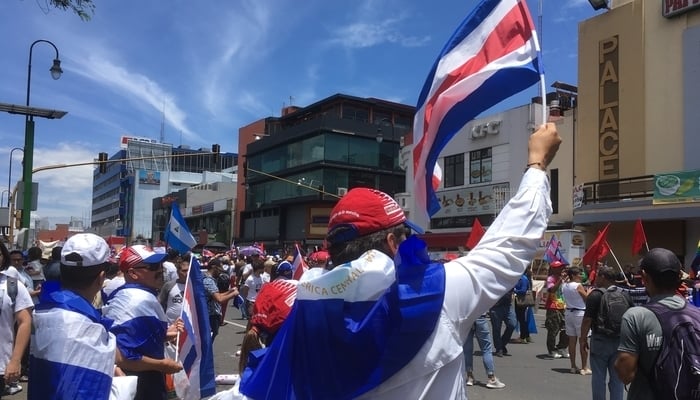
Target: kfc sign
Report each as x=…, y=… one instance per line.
x=671, y=8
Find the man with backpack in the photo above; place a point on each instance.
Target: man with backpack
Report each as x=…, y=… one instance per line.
x=659, y=352
x=605, y=306
x=15, y=309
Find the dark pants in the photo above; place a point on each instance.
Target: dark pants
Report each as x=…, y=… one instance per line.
x=521, y=314
x=2, y=385
x=502, y=314
x=554, y=322
x=215, y=321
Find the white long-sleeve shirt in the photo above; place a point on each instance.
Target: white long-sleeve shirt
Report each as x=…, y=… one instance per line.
x=472, y=285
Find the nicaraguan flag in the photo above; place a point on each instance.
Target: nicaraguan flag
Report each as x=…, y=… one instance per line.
x=195, y=352
x=491, y=56
x=70, y=344
x=350, y=328
x=177, y=234
x=298, y=264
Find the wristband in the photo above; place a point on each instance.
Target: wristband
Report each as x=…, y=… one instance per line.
x=538, y=164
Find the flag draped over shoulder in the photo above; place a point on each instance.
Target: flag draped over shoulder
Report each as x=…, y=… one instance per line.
x=177, y=234
x=476, y=234
x=639, y=238
x=491, y=56
x=599, y=248
x=195, y=351
x=298, y=264
x=340, y=345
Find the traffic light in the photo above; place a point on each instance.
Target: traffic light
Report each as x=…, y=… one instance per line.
x=102, y=162
x=215, y=148
x=18, y=219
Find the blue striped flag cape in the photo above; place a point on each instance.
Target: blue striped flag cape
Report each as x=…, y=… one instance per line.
x=72, y=353
x=351, y=328
x=491, y=56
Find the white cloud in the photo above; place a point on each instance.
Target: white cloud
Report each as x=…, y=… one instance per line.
x=363, y=34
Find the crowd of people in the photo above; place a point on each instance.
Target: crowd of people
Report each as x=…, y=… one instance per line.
x=384, y=320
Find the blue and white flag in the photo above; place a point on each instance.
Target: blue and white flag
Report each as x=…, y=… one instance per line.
x=350, y=328
x=177, y=234
x=195, y=351
x=491, y=56
x=72, y=353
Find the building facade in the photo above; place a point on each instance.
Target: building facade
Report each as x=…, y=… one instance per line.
x=142, y=170
x=298, y=165
x=637, y=135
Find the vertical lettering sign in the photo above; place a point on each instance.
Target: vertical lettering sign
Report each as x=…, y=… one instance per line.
x=608, y=109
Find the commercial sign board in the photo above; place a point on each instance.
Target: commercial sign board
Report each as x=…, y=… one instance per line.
x=609, y=109
x=677, y=187
x=671, y=8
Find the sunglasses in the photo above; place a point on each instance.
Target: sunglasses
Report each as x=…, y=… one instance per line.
x=150, y=267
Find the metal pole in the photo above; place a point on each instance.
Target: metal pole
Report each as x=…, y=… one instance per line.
x=29, y=145
x=9, y=175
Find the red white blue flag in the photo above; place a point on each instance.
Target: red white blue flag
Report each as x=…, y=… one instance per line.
x=553, y=251
x=491, y=56
x=196, y=380
x=298, y=264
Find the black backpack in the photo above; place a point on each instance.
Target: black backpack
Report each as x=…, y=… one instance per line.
x=613, y=305
x=676, y=372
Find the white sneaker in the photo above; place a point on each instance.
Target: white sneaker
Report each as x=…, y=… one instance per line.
x=494, y=383
x=470, y=380
x=564, y=353
x=554, y=354
x=13, y=388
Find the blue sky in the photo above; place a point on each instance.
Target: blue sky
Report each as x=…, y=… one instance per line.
x=216, y=66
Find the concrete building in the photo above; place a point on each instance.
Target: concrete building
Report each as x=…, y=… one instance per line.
x=142, y=170
x=298, y=165
x=637, y=141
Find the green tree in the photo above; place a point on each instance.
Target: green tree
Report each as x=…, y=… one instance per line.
x=84, y=8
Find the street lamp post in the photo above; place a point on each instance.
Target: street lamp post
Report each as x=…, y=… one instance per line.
x=56, y=72
x=9, y=175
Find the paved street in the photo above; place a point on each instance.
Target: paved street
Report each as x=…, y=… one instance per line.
x=528, y=374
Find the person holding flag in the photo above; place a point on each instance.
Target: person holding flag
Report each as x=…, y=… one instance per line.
x=195, y=380
x=140, y=324
x=361, y=349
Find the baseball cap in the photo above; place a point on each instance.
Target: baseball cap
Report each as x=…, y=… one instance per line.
x=363, y=211
x=84, y=250
x=660, y=260
x=557, y=264
x=320, y=256
x=134, y=255
x=272, y=305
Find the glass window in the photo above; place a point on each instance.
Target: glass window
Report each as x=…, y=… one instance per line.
x=363, y=151
x=454, y=170
x=480, y=166
x=337, y=146
x=356, y=113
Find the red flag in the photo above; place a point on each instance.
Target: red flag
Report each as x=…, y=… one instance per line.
x=476, y=234
x=638, y=237
x=598, y=249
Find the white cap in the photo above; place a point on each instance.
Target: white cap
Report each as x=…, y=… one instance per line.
x=11, y=272
x=84, y=250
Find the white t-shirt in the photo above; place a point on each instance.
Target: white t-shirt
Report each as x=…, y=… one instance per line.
x=174, y=307
x=573, y=299
x=112, y=284
x=7, y=318
x=169, y=271
x=254, y=284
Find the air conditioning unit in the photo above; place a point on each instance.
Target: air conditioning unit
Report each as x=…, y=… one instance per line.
x=342, y=191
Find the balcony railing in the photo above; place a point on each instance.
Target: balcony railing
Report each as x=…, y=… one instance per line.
x=639, y=187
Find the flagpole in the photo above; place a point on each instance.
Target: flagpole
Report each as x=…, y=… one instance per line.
x=618, y=263
x=543, y=87
x=177, y=337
